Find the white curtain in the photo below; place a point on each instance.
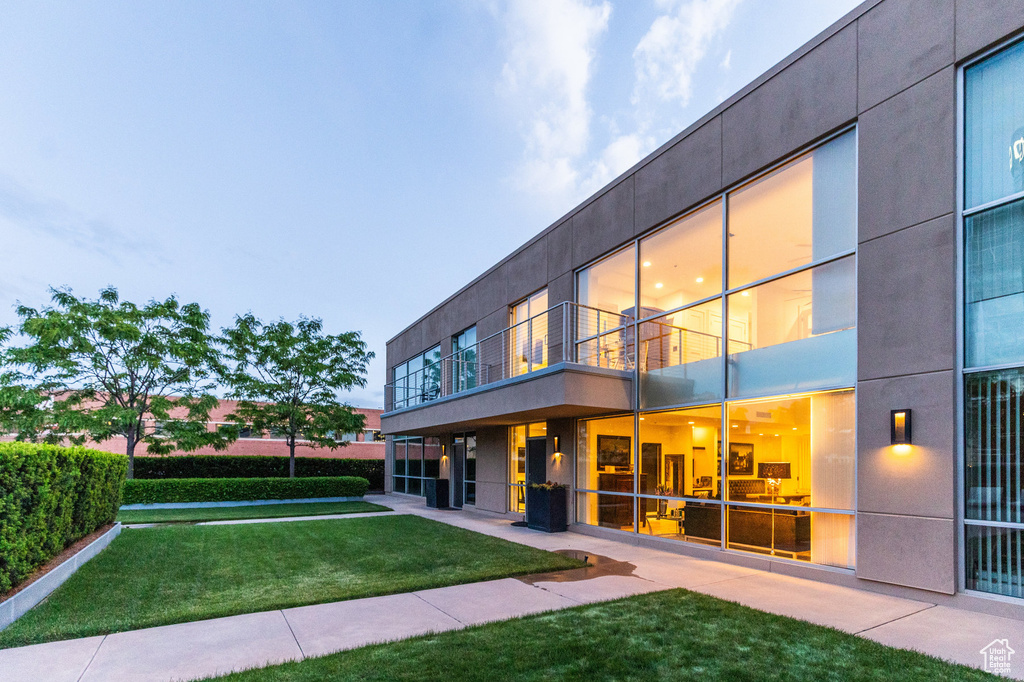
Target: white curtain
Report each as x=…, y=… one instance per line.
x=833, y=455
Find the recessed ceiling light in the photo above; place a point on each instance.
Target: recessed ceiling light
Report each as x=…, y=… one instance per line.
x=689, y=422
x=745, y=293
x=658, y=285
x=647, y=263
x=735, y=426
x=699, y=280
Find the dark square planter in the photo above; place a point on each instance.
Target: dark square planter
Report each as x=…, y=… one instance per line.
x=546, y=509
x=436, y=492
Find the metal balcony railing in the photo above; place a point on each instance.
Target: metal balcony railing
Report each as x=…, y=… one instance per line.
x=567, y=332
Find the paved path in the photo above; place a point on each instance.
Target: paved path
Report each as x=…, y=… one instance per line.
x=204, y=648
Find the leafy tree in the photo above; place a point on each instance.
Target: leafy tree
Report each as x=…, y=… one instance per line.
x=100, y=368
x=287, y=376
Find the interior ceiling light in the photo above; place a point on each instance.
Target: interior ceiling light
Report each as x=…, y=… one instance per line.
x=647, y=263
x=745, y=293
x=658, y=285
x=699, y=280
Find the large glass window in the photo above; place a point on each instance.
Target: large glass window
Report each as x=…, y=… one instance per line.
x=994, y=128
x=993, y=250
x=682, y=263
x=610, y=284
x=679, y=459
x=417, y=380
x=605, y=462
x=517, y=462
x=606, y=292
x=529, y=333
x=781, y=332
x=465, y=360
x=804, y=212
x=994, y=287
x=680, y=356
x=469, y=470
x=415, y=458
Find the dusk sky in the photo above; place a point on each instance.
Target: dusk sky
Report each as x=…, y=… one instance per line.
x=353, y=161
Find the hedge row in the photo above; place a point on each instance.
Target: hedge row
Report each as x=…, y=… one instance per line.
x=143, y=491
x=236, y=466
x=50, y=497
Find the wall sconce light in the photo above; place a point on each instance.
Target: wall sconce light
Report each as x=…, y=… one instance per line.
x=558, y=447
x=444, y=453
x=899, y=427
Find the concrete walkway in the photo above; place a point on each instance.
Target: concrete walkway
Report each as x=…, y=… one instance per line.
x=195, y=650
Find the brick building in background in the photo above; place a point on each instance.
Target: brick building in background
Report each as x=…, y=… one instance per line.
x=368, y=444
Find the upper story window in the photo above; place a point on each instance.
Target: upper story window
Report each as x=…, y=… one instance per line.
x=465, y=360
x=528, y=337
x=804, y=212
x=682, y=263
x=790, y=267
x=994, y=225
x=418, y=379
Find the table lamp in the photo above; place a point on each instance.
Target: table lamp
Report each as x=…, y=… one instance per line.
x=774, y=472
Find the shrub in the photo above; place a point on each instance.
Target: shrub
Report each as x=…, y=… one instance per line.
x=149, y=491
x=51, y=496
x=241, y=466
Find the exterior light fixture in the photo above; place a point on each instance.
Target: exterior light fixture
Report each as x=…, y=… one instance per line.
x=558, y=447
x=899, y=427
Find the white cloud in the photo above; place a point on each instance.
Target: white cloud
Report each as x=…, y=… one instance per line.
x=726, y=63
x=667, y=56
x=550, y=54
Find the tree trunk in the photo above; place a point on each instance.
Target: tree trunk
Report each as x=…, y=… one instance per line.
x=131, y=455
x=291, y=457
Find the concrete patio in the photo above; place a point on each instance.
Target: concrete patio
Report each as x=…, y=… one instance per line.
x=217, y=646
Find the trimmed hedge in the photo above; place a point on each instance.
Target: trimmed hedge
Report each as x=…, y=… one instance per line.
x=143, y=491
x=241, y=466
x=50, y=497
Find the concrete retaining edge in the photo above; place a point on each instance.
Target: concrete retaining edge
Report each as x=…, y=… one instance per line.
x=250, y=503
x=15, y=607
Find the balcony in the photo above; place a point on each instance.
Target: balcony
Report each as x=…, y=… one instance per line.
x=571, y=360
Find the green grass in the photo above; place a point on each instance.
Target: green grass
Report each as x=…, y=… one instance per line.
x=265, y=511
x=674, y=635
x=177, y=573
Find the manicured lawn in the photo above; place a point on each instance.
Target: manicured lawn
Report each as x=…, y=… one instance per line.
x=674, y=635
x=263, y=511
x=177, y=573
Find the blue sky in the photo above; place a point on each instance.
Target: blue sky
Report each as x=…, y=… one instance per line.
x=357, y=161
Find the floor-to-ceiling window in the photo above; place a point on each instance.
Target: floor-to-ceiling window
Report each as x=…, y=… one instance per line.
x=417, y=380
x=517, y=462
x=529, y=333
x=746, y=359
x=465, y=360
x=993, y=314
x=415, y=458
x=468, y=453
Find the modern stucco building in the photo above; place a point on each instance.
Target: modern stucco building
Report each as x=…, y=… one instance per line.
x=724, y=350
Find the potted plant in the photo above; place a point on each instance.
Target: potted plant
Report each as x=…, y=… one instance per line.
x=546, y=507
x=662, y=504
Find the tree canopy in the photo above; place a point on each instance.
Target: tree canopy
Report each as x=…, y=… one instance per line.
x=101, y=368
x=287, y=376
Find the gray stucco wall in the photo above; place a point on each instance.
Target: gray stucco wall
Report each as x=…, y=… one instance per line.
x=890, y=68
